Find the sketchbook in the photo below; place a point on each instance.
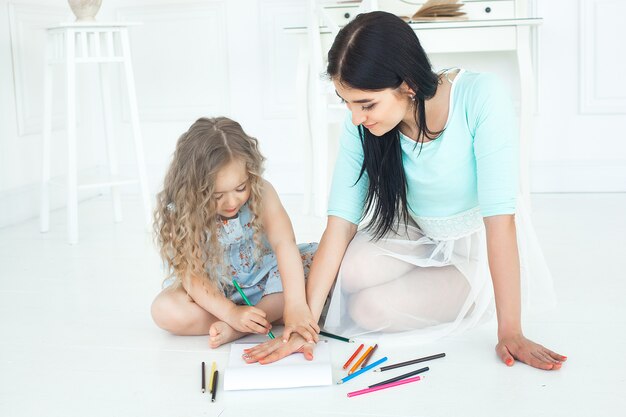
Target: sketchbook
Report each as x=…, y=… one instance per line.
x=291, y=372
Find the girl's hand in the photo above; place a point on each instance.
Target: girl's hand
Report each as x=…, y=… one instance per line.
x=516, y=346
x=276, y=349
x=248, y=319
x=300, y=320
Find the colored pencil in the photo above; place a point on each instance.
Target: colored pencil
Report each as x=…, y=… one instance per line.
x=378, y=388
x=212, y=372
x=398, y=378
x=269, y=334
x=203, y=379
x=361, y=359
x=356, y=352
x=367, y=359
x=398, y=365
x=360, y=371
x=334, y=336
x=214, y=388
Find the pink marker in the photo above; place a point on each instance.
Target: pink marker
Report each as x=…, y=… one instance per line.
x=389, y=385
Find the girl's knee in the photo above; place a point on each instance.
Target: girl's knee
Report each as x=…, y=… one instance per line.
x=166, y=315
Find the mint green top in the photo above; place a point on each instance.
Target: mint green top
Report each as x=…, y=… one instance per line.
x=474, y=163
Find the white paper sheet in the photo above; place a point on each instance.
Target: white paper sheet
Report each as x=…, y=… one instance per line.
x=290, y=372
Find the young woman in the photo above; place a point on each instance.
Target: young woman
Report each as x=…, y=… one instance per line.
x=431, y=159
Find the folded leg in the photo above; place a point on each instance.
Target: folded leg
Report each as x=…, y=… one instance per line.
x=420, y=298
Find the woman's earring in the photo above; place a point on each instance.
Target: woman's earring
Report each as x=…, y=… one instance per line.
x=412, y=98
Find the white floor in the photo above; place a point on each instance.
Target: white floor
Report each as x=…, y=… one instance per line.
x=76, y=338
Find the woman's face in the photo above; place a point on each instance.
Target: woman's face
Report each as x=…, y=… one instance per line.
x=232, y=188
x=378, y=111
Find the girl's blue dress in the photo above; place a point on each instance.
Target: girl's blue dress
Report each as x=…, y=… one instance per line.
x=257, y=278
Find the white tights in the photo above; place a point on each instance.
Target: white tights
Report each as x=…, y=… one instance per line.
x=391, y=295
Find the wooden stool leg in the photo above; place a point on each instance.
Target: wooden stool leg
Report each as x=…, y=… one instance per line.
x=44, y=213
x=72, y=180
x=134, y=115
x=105, y=91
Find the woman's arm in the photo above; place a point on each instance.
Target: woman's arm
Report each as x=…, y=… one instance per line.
x=505, y=272
x=280, y=235
x=332, y=247
x=504, y=265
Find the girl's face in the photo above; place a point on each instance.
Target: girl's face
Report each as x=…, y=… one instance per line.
x=232, y=189
x=378, y=111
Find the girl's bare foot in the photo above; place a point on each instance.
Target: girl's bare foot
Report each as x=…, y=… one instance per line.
x=220, y=333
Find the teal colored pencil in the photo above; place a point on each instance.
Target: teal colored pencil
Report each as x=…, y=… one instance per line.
x=270, y=334
x=360, y=371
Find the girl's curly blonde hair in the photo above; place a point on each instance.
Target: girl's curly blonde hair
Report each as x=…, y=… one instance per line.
x=185, y=220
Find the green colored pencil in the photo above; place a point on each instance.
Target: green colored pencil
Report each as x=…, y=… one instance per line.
x=270, y=334
x=334, y=336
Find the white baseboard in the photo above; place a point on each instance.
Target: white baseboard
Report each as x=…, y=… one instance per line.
x=578, y=177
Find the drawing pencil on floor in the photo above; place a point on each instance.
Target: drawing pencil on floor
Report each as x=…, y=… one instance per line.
x=203, y=378
x=214, y=387
x=398, y=378
x=349, y=361
x=334, y=336
x=211, y=380
x=361, y=359
x=411, y=362
x=381, y=387
x=360, y=371
x=368, y=357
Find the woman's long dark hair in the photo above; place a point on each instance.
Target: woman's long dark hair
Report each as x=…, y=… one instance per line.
x=376, y=51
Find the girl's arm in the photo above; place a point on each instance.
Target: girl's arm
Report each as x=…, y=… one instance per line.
x=332, y=247
x=280, y=235
x=504, y=265
x=242, y=318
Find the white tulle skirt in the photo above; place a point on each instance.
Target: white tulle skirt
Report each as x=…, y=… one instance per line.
x=429, y=280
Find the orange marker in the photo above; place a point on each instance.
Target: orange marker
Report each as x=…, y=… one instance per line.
x=361, y=359
x=356, y=352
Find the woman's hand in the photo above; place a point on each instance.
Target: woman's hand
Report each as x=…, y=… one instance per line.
x=248, y=319
x=276, y=349
x=516, y=346
x=300, y=320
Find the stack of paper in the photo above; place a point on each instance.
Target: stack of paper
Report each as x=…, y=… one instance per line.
x=291, y=372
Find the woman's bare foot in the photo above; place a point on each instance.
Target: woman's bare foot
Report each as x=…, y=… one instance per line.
x=220, y=333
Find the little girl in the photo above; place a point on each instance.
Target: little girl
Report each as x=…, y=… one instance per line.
x=217, y=220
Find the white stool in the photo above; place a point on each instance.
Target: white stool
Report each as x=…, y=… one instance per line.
x=81, y=43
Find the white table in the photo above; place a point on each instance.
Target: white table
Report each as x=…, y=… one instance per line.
x=436, y=37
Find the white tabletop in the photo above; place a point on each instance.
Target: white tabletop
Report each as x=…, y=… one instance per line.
x=445, y=24
x=92, y=24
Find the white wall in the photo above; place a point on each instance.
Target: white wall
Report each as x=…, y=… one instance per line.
x=191, y=59
x=580, y=135
x=210, y=57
